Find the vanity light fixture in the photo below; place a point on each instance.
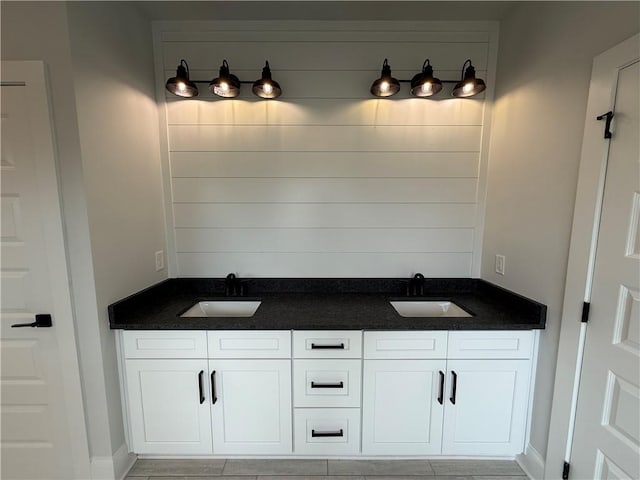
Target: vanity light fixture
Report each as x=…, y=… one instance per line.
x=424, y=84
x=180, y=84
x=386, y=85
x=469, y=85
x=266, y=87
x=225, y=85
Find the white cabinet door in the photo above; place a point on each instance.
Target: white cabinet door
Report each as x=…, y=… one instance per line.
x=169, y=406
x=251, y=406
x=402, y=410
x=486, y=407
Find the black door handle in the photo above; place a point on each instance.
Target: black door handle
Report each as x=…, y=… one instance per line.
x=214, y=397
x=454, y=386
x=43, y=320
x=327, y=385
x=441, y=393
x=607, y=126
x=327, y=347
x=327, y=434
x=200, y=387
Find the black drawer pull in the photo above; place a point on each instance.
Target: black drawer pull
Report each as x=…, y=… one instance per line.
x=200, y=387
x=327, y=347
x=327, y=434
x=214, y=397
x=327, y=385
x=441, y=393
x=454, y=386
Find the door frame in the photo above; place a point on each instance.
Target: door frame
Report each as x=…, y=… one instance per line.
x=32, y=75
x=591, y=177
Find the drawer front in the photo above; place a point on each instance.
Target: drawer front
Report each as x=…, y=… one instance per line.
x=405, y=344
x=326, y=383
x=165, y=344
x=327, y=344
x=489, y=344
x=323, y=431
x=249, y=344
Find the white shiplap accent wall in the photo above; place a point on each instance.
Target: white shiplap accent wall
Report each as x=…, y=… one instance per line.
x=326, y=180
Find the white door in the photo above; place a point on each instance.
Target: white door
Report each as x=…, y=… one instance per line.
x=486, y=407
x=607, y=431
x=41, y=400
x=169, y=406
x=402, y=407
x=251, y=406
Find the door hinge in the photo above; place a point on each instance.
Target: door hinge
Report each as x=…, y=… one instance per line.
x=585, y=312
x=607, y=126
x=565, y=471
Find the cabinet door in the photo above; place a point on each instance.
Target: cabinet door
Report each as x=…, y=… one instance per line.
x=401, y=410
x=251, y=406
x=487, y=414
x=168, y=406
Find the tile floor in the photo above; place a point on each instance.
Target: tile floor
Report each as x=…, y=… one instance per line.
x=253, y=469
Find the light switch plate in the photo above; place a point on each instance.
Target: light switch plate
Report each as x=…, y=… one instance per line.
x=159, y=260
x=500, y=261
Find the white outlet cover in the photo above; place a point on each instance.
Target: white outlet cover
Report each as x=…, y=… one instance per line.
x=500, y=261
x=159, y=260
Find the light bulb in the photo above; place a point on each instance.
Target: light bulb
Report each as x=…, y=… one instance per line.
x=181, y=86
x=384, y=86
x=426, y=87
x=224, y=86
x=268, y=88
x=468, y=87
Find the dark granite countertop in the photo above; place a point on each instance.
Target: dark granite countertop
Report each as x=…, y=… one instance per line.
x=322, y=304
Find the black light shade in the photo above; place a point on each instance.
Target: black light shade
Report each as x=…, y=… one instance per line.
x=469, y=85
x=266, y=87
x=225, y=85
x=424, y=84
x=386, y=85
x=180, y=84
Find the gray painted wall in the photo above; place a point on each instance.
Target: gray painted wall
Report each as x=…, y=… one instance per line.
x=544, y=69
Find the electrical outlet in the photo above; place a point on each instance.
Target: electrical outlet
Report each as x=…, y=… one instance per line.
x=159, y=260
x=500, y=261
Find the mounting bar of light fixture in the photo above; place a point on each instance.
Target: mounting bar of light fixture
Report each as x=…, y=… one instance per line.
x=225, y=85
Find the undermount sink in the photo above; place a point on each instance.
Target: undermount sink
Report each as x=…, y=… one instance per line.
x=223, y=308
x=429, y=309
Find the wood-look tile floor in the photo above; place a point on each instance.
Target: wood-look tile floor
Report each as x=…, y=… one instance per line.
x=254, y=469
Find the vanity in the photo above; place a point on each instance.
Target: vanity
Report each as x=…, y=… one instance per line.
x=330, y=368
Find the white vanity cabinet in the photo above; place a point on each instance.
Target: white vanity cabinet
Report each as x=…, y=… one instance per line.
x=450, y=393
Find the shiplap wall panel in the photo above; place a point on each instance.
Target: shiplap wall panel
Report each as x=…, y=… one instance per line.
x=330, y=85
x=450, y=112
x=207, y=138
x=319, y=164
x=324, y=215
x=325, y=181
x=323, y=240
x=324, y=264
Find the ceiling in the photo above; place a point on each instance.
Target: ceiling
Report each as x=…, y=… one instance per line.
x=325, y=10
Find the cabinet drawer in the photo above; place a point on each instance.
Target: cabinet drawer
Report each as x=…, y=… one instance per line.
x=324, y=431
x=165, y=344
x=405, y=344
x=490, y=344
x=326, y=383
x=327, y=344
x=249, y=344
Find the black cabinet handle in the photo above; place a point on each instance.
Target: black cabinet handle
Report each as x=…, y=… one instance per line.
x=327, y=347
x=441, y=393
x=454, y=385
x=327, y=385
x=214, y=397
x=200, y=386
x=43, y=320
x=327, y=434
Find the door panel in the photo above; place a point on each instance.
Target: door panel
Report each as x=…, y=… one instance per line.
x=400, y=412
x=35, y=438
x=607, y=432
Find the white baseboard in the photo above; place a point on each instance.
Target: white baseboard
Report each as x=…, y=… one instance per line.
x=113, y=468
x=532, y=463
